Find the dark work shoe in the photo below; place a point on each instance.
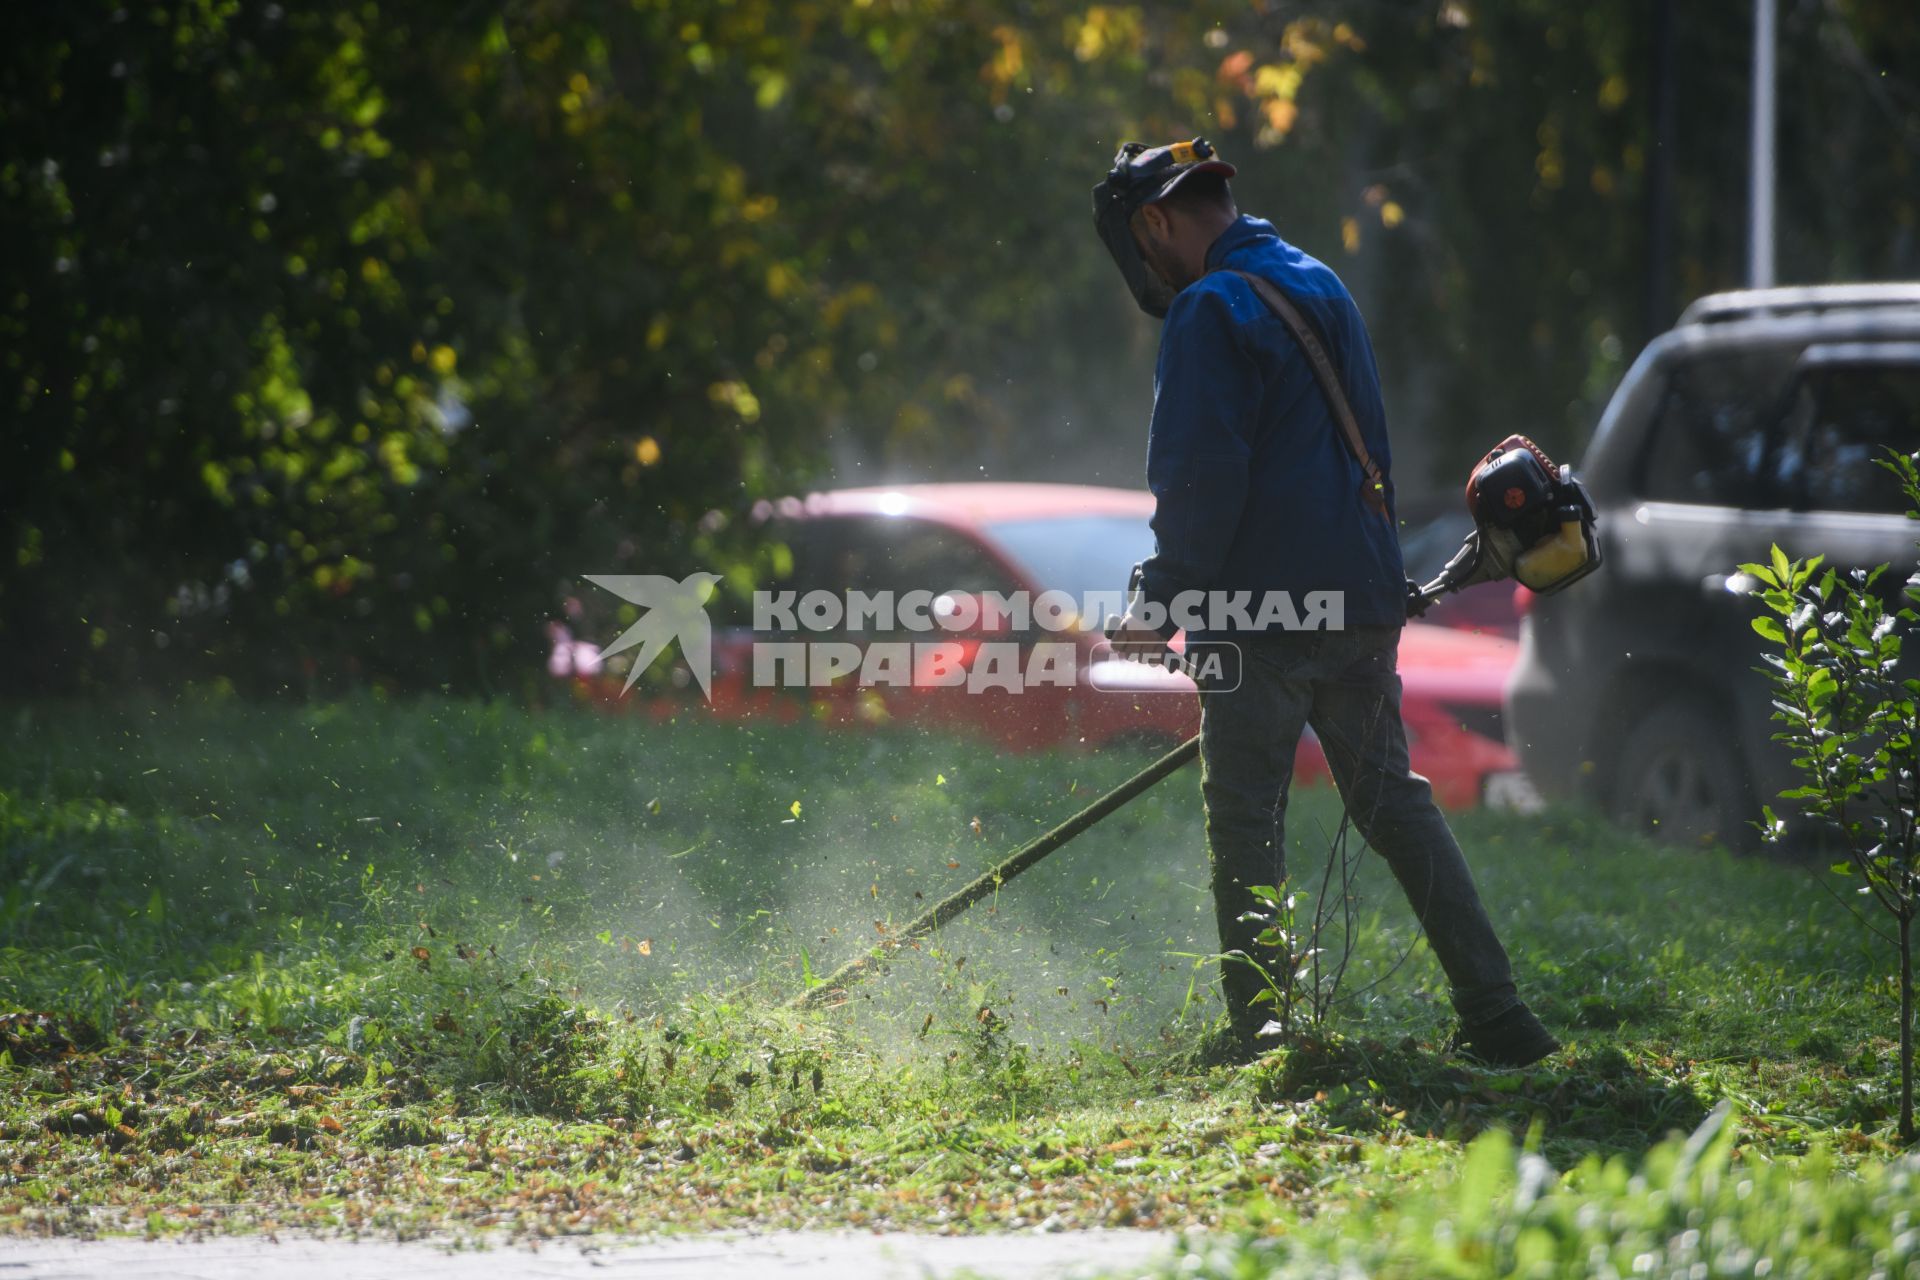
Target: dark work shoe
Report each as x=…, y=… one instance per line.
x=1513, y=1039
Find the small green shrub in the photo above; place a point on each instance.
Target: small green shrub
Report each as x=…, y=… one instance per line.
x=1853, y=723
x=1689, y=1209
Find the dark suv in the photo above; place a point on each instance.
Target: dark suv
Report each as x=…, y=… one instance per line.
x=1756, y=420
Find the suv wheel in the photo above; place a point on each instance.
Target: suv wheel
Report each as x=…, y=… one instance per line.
x=1678, y=778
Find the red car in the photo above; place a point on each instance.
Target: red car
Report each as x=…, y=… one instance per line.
x=966, y=540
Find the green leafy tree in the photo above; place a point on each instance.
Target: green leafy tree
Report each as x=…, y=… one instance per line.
x=338, y=339
x=1853, y=723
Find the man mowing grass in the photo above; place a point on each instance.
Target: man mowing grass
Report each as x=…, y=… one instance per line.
x=1270, y=479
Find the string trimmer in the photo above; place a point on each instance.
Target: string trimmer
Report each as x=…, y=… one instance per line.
x=1533, y=522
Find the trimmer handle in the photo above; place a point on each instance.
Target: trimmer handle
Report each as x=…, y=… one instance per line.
x=1112, y=624
x=1464, y=570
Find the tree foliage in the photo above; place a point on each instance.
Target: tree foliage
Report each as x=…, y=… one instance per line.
x=341, y=338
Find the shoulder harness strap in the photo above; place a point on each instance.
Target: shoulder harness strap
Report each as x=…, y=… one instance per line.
x=1373, y=490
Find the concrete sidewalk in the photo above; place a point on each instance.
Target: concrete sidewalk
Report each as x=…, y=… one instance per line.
x=780, y=1255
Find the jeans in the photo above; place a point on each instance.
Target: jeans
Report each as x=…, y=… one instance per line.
x=1346, y=685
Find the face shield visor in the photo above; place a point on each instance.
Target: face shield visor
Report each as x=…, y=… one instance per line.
x=1141, y=175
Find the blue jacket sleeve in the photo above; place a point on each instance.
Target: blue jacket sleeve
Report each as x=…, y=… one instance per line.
x=1207, y=393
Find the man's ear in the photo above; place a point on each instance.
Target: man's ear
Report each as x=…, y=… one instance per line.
x=1153, y=222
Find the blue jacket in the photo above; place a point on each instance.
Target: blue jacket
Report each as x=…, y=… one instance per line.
x=1255, y=488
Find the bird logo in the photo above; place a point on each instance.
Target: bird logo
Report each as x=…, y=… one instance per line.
x=672, y=611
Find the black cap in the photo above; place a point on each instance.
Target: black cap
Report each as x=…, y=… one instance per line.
x=1145, y=174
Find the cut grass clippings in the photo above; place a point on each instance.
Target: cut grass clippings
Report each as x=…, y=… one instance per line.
x=442, y=966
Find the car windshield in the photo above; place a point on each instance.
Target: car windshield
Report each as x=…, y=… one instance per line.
x=1078, y=554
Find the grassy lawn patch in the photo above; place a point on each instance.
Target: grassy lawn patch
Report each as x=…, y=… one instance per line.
x=441, y=965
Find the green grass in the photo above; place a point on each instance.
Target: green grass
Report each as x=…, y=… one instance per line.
x=442, y=965
x=1691, y=1208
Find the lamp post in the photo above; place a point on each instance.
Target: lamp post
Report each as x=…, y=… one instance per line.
x=1760, y=172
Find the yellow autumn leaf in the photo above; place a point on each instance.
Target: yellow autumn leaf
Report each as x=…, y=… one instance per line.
x=794, y=809
x=1275, y=81
x=1281, y=114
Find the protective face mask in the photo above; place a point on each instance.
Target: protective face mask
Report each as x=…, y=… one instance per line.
x=1112, y=214
x=1139, y=173
x=1154, y=295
